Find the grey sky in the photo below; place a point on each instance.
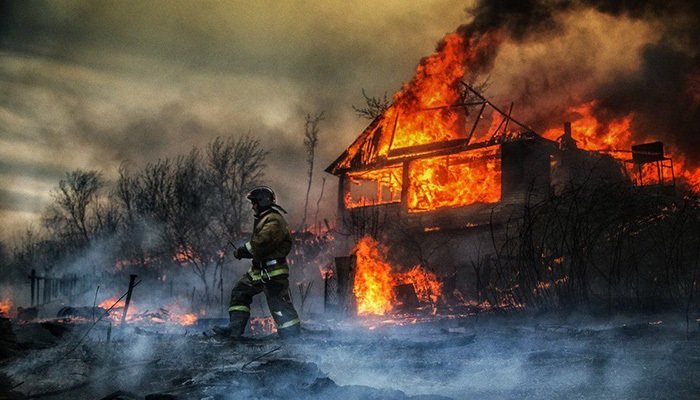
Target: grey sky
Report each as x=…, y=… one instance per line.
x=90, y=84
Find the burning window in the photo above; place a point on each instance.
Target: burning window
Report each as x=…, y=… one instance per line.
x=455, y=180
x=381, y=186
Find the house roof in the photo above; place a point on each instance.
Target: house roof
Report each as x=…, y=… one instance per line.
x=373, y=148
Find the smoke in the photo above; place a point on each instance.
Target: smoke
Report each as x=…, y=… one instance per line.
x=513, y=357
x=638, y=59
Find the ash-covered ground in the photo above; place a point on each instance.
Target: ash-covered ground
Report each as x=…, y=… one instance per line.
x=513, y=356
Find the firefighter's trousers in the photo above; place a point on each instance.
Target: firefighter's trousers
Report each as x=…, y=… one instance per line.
x=275, y=285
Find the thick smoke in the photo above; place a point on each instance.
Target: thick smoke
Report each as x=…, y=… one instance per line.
x=660, y=92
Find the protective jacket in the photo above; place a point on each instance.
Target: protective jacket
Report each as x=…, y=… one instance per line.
x=271, y=238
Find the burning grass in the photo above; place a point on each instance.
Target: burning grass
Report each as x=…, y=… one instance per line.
x=170, y=314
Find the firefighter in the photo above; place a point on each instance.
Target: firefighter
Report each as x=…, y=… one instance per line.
x=269, y=244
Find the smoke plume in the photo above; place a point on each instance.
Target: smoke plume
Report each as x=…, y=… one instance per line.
x=637, y=59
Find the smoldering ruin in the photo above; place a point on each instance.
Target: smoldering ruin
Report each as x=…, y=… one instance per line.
x=529, y=249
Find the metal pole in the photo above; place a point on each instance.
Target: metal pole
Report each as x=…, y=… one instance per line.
x=132, y=279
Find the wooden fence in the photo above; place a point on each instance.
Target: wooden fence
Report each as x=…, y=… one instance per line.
x=45, y=289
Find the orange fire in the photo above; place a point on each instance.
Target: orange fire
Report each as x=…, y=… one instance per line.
x=184, y=255
x=455, y=180
x=434, y=85
x=421, y=113
x=116, y=313
x=260, y=326
x=6, y=307
x=172, y=313
x=177, y=314
x=592, y=134
x=375, y=280
x=425, y=283
x=374, y=187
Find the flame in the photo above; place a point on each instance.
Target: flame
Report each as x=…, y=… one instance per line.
x=434, y=85
x=6, y=307
x=385, y=187
x=260, y=326
x=425, y=283
x=375, y=280
x=420, y=112
x=177, y=315
x=115, y=314
x=107, y=303
x=173, y=313
x=455, y=180
x=186, y=319
x=592, y=134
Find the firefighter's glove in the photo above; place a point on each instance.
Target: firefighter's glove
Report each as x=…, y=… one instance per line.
x=242, y=252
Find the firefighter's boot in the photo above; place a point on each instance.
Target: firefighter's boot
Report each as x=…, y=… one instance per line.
x=236, y=326
x=289, y=332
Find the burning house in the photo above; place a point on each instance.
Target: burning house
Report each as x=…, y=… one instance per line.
x=432, y=181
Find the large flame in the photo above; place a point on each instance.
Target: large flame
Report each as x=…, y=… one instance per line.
x=592, y=134
x=375, y=280
x=434, y=85
x=455, y=180
x=420, y=112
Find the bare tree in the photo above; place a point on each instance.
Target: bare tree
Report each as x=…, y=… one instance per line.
x=310, y=142
x=68, y=216
x=234, y=166
x=374, y=106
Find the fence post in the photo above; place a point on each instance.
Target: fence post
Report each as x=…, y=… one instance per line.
x=45, y=291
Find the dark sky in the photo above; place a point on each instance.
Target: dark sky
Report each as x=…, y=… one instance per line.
x=86, y=84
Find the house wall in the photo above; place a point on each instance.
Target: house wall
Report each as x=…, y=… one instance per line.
x=451, y=242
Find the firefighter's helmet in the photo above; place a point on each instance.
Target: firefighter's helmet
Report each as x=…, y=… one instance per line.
x=263, y=196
